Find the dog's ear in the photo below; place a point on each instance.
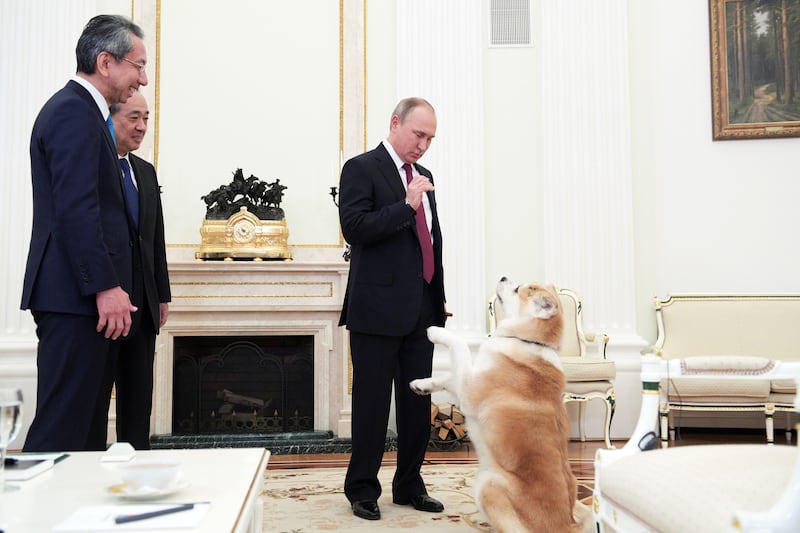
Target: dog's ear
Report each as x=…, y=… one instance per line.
x=552, y=290
x=527, y=292
x=544, y=297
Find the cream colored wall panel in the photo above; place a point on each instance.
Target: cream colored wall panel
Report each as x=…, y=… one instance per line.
x=251, y=85
x=587, y=179
x=513, y=153
x=439, y=57
x=381, y=67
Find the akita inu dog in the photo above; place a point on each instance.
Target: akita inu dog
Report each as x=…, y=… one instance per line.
x=511, y=395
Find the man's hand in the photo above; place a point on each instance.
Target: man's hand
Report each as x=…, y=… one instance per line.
x=114, y=307
x=163, y=309
x=418, y=185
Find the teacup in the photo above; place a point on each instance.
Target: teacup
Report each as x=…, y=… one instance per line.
x=158, y=474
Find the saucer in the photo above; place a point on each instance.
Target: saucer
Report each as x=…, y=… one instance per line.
x=121, y=490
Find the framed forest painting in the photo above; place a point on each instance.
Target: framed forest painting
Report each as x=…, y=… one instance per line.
x=755, y=68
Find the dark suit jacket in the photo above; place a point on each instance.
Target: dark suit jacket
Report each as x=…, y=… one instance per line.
x=150, y=251
x=81, y=241
x=384, y=288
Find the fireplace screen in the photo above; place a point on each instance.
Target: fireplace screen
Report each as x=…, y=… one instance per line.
x=224, y=385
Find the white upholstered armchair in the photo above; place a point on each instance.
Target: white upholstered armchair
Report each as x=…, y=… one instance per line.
x=590, y=376
x=709, y=488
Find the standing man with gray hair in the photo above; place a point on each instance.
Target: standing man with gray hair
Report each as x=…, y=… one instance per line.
x=395, y=291
x=80, y=264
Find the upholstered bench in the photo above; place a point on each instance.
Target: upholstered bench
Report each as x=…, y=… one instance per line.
x=708, y=488
x=739, y=331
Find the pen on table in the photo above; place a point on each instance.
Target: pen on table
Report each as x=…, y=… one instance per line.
x=124, y=518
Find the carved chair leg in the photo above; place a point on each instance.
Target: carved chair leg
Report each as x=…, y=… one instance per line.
x=581, y=427
x=664, y=426
x=610, y=403
x=770, y=425
x=612, y=400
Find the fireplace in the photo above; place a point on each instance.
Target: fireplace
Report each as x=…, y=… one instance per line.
x=276, y=319
x=233, y=384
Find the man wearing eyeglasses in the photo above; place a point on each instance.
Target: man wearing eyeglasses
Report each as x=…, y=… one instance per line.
x=80, y=264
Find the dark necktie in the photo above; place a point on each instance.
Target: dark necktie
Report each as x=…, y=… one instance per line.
x=423, y=234
x=110, y=126
x=131, y=193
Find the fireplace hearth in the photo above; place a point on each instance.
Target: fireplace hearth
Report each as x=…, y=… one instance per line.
x=313, y=442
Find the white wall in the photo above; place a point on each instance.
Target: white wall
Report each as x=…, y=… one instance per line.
x=381, y=67
x=710, y=215
x=513, y=140
x=251, y=85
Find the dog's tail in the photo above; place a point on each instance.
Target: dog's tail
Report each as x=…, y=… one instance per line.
x=584, y=519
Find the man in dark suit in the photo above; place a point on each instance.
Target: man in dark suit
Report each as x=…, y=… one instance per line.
x=395, y=291
x=133, y=377
x=79, y=272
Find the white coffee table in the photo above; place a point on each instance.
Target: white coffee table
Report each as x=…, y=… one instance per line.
x=231, y=479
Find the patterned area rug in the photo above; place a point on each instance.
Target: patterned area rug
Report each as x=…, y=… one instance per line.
x=312, y=499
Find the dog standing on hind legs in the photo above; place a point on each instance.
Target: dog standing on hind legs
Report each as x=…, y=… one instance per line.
x=511, y=395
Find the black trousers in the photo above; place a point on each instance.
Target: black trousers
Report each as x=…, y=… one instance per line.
x=378, y=363
x=132, y=376
x=72, y=360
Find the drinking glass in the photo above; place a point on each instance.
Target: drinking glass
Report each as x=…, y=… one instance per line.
x=10, y=423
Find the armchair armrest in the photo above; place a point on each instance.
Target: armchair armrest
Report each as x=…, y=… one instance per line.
x=598, y=340
x=651, y=350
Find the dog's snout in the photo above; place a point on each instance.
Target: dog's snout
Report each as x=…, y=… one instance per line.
x=503, y=279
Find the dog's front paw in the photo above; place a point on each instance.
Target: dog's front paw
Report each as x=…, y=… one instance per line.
x=422, y=386
x=436, y=335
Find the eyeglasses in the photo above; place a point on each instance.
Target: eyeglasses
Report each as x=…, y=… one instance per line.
x=139, y=66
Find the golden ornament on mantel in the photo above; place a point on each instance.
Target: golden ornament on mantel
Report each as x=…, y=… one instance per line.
x=244, y=221
x=244, y=236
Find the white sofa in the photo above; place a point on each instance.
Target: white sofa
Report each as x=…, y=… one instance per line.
x=708, y=488
x=732, y=328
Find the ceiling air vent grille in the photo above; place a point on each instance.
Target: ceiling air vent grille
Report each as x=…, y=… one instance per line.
x=509, y=23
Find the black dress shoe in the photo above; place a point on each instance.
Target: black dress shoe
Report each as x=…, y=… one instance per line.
x=367, y=509
x=423, y=502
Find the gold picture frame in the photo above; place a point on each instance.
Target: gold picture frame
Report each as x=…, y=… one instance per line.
x=755, y=68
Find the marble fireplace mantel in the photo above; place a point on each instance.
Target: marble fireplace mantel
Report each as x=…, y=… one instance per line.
x=245, y=298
